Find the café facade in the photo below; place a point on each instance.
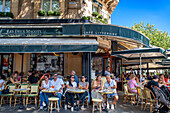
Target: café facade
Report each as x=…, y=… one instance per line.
x=29, y=42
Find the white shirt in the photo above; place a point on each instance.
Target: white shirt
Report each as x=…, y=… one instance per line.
x=57, y=84
x=107, y=73
x=74, y=84
x=112, y=84
x=2, y=81
x=46, y=85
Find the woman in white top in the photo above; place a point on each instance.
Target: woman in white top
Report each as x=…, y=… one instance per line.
x=71, y=84
x=96, y=86
x=2, y=82
x=44, y=85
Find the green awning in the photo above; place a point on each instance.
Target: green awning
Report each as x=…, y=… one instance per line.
x=47, y=45
x=146, y=53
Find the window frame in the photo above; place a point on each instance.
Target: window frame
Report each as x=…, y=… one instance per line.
x=51, y=4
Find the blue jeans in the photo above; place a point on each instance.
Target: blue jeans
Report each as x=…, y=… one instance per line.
x=68, y=96
x=0, y=92
x=83, y=96
x=42, y=96
x=47, y=95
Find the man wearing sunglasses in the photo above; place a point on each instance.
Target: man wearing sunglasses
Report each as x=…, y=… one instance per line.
x=58, y=85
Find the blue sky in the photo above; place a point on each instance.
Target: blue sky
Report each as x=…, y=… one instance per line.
x=129, y=12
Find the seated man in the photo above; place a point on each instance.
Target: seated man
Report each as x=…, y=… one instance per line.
x=154, y=87
x=111, y=85
x=58, y=85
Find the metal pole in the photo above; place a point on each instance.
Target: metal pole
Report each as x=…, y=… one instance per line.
x=89, y=54
x=147, y=70
x=22, y=107
x=140, y=68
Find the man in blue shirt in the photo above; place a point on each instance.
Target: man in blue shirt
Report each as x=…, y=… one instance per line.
x=75, y=76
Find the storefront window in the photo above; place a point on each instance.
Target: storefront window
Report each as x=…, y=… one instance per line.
x=5, y=5
x=97, y=65
x=50, y=62
x=47, y=5
x=7, y=66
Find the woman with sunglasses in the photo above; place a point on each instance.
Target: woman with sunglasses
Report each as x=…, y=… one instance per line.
x=96, y=86
x=83, y=85
x=71, y=84
x=44, y=85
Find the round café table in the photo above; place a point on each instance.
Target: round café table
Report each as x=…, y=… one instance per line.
x=22, y=89
x=106, y=92
x=76, y=91
x=50, y=91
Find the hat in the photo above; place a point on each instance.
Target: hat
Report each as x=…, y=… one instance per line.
x=155, y=77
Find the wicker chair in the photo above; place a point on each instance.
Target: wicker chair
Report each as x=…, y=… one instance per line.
x=11, y=88
x=18, y=95
x=148, y=95
x=140, y=96
x=127, y=94
x=33, y=94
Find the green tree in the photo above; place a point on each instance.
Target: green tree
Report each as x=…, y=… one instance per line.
x=157, y=37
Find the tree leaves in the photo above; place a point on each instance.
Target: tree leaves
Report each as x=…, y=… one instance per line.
x=157, y=37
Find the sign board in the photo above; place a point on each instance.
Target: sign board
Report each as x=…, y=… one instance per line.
x=30, y=32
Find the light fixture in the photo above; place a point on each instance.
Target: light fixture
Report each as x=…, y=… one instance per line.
x=55, y=54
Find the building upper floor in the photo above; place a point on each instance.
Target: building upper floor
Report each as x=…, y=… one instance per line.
x=65, y=9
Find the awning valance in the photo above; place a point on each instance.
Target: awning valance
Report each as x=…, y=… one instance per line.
x=146, y=53
x=47, y=45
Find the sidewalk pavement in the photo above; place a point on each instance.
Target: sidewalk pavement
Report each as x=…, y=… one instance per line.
x=121, y=108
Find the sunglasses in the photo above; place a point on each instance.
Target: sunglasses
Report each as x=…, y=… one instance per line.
x=72, y=77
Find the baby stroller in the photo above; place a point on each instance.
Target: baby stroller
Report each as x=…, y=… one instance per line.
x=163, y=95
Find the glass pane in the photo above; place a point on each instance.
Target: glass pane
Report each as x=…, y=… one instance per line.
x=7, y=5
x=46, y=5
x=55, y=5
x=1, y=5
x=95, y=9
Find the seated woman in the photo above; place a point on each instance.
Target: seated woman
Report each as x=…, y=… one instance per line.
x=2, y=83
x=71, y=84
x=132, y=84
x=96, y=86
x=45, y=84
x=13, y=78
x=83, y=85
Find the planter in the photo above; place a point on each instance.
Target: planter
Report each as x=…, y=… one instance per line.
x=49, y=17
x=5, y=18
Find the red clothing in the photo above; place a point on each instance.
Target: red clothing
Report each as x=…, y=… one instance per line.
x=166, y=80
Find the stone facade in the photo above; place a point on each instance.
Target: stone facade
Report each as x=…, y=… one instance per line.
x=72, y=9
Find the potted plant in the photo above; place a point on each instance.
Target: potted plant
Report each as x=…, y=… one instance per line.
x=41, y=14
x=50, y=13
x=95, y=14
x=100, y=16
x=106, y=20
x=85, y=18
x=6, y=16
x=57, y=14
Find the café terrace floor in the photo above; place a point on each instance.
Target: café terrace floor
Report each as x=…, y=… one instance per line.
x=121, y=108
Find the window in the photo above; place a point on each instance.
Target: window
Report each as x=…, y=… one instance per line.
x=5, y=5
x=47, y=5
x=48, y=62
x=95, y=9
